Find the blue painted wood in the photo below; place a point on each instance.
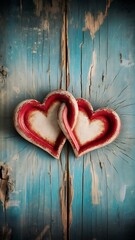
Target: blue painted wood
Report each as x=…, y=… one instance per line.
x=102, y=69
x=31, y=51
x=87, y=198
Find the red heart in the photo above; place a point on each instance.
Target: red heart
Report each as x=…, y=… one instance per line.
x=92, y=130
x=37, y=122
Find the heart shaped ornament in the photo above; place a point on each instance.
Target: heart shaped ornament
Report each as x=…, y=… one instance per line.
x=38, y=124
x=92, y=130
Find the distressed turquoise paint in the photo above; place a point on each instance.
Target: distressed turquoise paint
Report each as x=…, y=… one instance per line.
x=31, y=52
x=110, y=84
x=102, y=71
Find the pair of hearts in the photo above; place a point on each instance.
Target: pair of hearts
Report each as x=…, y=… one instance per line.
x=62, y=117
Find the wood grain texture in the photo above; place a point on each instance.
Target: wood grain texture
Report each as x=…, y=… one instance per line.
x=31, y=32
x=88, y=48
x=100, y=36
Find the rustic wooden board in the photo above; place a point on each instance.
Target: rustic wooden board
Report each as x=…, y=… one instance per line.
x=31, y=50
x=86, y=47
x=102, y=65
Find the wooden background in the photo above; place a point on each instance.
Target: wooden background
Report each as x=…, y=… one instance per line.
x=88, y=48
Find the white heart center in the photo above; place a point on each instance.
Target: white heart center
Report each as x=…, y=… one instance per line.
x=46, y=127
x=87, y=131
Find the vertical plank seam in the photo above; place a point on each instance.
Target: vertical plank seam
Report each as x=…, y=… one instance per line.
x=91, y=70
x=67, y=83
x=66, y=44
x=68, y=191
x=81, y=68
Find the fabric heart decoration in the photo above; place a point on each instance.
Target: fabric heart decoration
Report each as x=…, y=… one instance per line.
x=38, y=124
x=92, y=130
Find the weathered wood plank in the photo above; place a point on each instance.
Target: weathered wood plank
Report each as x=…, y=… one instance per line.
x=31, y=32
x=101, y=64
x=92, y=197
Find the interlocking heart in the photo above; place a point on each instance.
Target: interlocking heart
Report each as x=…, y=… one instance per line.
x=62, y=117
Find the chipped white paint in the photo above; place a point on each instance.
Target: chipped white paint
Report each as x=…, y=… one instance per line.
x=92, y=68
x=127, y=63
x=93, y=24
x=123, y=192
x=95, y=191
x=46, y=127
x=91, y=130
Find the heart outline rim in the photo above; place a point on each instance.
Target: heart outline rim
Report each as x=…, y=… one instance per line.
x=71, y=136
x=19, y=122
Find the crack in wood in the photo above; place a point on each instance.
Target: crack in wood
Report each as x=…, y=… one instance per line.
x=63, y=202
x=95, y=192
x=3, y=75
x=66, y=198
x=92, y=70
x=81, y=64
x=6, y=184
x=121, y=60
x=64, y=50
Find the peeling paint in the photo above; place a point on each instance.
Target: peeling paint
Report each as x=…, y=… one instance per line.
x=68, y=57
x=65, y=52
x=3, y=75
x=66, y=197
x=92, y=68
x=95, y=191
x=3, y=71
x=63, y=44
x=93, y=24
x=63, y=201
x=71, y=196
x=6, y=183
x=43, y=233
